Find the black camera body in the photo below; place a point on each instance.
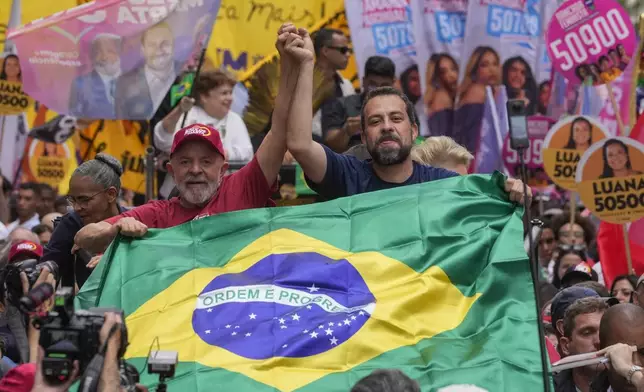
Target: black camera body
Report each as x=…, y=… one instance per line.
x=67, y=336
x=32, y=268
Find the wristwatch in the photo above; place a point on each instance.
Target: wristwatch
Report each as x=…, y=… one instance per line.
x=633, y=370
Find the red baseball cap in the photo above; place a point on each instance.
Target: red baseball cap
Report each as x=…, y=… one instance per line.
x=198, y=132
x=25, y=248
x=19, y=379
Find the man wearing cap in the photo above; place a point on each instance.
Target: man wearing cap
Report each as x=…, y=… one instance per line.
x=577, y=274
x=197, y=164
x=25, y=250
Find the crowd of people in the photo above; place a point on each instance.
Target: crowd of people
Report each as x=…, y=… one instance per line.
x=356, y=143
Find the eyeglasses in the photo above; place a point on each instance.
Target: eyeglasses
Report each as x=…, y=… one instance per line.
x=83, y=201
x=341, y=49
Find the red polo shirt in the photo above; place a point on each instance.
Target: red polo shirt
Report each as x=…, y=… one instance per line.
x=246, y=188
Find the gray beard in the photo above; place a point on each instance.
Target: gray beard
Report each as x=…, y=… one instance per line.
x=200, y=196
x=389, y=156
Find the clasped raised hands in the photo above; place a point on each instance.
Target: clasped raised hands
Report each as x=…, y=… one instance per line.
x=294, y=44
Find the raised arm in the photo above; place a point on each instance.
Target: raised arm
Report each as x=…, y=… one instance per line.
x=309, y=154
x=273, y=148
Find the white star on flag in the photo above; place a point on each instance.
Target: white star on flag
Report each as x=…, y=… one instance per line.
x=284, y=346
x=236, y=326
x=329, y=331
x=353, y=317
x=334, y=341
x=306, y=331
x=347, y=322
x=228, y=326
x=331, y=324
x=252, y=316
x=296, y=317
x=321, y=327
x=234, y=333
x=209, y=310
x=361, y=313
x=283, y=327
x=313, y=289
x=314, y=334
x=281, y=320
x=248, y=333
x=309, y=307
x=207, y=331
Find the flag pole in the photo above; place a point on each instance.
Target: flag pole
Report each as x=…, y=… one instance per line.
x=622, y=132
x=192, y=88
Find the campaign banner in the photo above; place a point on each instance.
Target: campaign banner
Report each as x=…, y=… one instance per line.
x=564, y=145
x=591, y=41
x=112, y=59
x=610, y=179
x=504, y=44
x=538, y=127
x=13, y=99
x=384, y=28
x=125, y=141
x=13, y=136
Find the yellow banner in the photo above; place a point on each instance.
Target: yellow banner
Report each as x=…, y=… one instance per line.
x=124, y=140
x=245, y=30
x=12, y=99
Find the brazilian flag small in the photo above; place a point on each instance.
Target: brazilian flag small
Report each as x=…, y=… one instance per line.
x=182, y=89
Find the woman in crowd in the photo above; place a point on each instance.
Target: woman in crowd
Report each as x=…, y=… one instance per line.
x=617, y=161
x=566, y=258
x=440, y=94
x=520, y=83
x=623, y=286
x=214, y=98
x=483, y=69
x=11, y=71
x=410, y=83
x=581, y=135
x=93, y=193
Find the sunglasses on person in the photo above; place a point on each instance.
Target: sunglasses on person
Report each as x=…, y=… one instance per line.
x=341, y=49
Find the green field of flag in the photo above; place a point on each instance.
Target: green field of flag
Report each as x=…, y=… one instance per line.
x=431, y=279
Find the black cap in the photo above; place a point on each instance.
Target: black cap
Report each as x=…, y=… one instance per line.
x=568, y=296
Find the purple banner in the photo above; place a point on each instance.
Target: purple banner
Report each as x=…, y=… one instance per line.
x=111, y=59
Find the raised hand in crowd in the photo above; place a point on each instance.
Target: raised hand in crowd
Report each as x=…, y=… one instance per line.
x=33, y=334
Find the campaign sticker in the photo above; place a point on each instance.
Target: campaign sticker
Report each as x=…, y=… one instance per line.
x=610, y=179
x=591, y=42
x=564, y=145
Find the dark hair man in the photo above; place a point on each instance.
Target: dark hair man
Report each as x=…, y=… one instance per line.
x=26, y=207
x=341, y=117
x=389, y=129
x=638, y=293
x=386, y=380
x=198, y=164
x=580, y=336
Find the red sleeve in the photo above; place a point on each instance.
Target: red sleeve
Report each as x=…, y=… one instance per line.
x=146, y=214
x=249, y=186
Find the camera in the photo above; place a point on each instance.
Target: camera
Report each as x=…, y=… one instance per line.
x=32, y=268
x=67, y=336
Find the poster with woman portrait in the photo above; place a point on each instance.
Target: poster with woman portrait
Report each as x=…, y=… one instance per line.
x=13, y=122
x=502, y=45
x=610, y=179
x=440, y=26
x=384, y=28
x=564, y=145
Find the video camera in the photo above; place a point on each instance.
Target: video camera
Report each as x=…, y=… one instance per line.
x=32, y=268
x=67, y=336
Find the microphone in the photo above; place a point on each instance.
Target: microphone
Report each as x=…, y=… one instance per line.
x=36, y=297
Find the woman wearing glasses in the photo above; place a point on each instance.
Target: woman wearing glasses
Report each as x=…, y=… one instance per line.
x=93, y=192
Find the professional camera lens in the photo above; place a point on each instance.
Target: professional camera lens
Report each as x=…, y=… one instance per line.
x=36, y=297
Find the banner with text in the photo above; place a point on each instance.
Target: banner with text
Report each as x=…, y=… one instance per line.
x=384, y=28
x=113, y=58
x=504, y=44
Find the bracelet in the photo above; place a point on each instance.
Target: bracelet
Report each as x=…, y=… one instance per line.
x=632, y=372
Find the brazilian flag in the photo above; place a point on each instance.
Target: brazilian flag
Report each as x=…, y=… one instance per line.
x=431, y=279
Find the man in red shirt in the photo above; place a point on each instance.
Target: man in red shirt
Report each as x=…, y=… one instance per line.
x=197, y=164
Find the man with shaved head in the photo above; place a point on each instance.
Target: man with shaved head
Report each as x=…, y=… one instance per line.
x=623, y=323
